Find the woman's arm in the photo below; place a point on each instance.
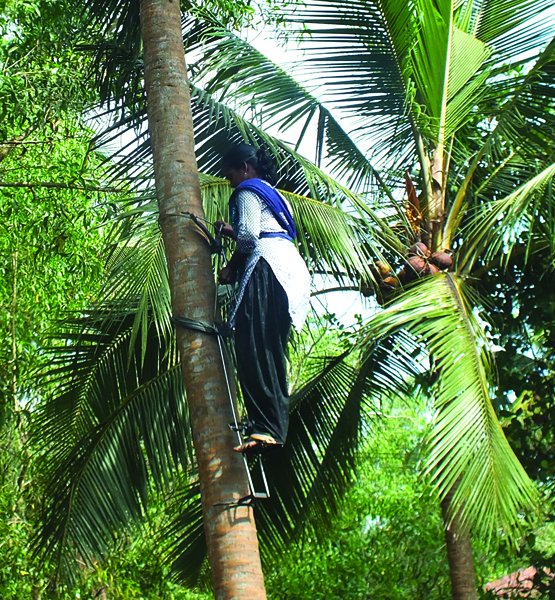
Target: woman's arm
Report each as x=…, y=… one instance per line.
x=247, y=234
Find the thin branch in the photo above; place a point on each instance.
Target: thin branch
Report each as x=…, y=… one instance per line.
x=57, y=185
x=343, y=288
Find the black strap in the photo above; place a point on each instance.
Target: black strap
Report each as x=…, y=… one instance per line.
x=221, y=329
x=215, y=243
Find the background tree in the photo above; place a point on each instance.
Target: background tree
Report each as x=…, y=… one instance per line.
x=53, y=205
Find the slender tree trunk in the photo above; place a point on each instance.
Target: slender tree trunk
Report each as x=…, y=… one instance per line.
x=230, y=532
x=459, y=554
x=13, y=331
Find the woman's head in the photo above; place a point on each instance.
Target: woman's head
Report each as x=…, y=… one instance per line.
x=244, y=162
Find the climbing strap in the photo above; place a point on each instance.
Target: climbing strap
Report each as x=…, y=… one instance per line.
x=215, y=242
x=219, y=329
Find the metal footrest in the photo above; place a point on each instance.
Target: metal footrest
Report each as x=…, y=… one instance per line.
x=263, y=491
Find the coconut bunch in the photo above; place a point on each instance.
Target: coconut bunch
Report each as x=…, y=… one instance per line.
x=419, y=262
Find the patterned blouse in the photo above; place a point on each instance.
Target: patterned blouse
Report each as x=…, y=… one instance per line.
x=254, y=217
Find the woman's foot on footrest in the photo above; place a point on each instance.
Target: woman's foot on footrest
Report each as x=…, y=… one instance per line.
x=257, y=442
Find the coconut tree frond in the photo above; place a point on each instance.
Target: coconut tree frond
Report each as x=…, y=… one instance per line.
x=466, y=82
x=513, y=27
x=497, y=227
x=116, y=424
x=138, y=277
x=467, y=444
x=352, y=48
x=519, y=102
x=317, y=461
x=466, y=441
x=243, y=76
x=327, y=417
x=516, y=136
x=182, y=540
x=117, y=51
x=428, y=62
x=446, y=66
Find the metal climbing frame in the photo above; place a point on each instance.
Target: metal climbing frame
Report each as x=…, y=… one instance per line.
x=217, y=248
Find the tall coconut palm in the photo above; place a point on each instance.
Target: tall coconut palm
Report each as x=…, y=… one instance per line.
x=119, y=410
x=437, y=94
x=437, y=90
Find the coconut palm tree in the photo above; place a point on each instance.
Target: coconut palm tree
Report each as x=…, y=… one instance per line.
x=113, y=444
x=457, y=97
x=453, y=102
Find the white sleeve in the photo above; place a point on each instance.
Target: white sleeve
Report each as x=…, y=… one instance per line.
x=248, y=231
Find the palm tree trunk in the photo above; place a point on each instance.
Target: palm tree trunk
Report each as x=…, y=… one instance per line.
x=459, y=554
x=230, y=533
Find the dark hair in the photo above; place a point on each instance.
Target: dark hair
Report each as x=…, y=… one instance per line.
x=261, y=161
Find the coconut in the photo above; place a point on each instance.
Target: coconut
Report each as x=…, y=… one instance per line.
x=415, y=267
x=390, y=281
x=417, y=263
x=419, y=249
x=382, y=268
x=443, y=260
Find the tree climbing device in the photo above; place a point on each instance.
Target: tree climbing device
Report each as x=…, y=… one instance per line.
x=251, y=460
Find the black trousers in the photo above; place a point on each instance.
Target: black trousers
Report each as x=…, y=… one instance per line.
x=262, y=327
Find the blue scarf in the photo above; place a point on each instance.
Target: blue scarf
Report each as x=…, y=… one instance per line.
x=274, y=201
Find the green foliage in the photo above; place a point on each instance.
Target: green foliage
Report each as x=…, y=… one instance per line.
x=21, y=576
x=387, y=541
x=443, y=68
x=523, y=311
x=42, y=78
x=51, y=191
x=133, y=570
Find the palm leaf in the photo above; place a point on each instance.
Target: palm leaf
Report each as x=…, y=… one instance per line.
x=498, y=226
x=235, y=71
x=466, y=441
x=513, y=27
x=352, y=48
x=116, y=424
x=519, y=136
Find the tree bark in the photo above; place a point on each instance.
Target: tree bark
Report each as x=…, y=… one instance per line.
x=459, y=554
x=230, y=532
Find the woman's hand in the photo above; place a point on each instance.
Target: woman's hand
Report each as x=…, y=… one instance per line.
x=227, y=275
x=225, y=229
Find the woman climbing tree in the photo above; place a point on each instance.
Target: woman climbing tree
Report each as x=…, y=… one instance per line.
x=273, y=286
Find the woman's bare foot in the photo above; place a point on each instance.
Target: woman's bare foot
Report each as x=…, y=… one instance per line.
x=256, y=443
